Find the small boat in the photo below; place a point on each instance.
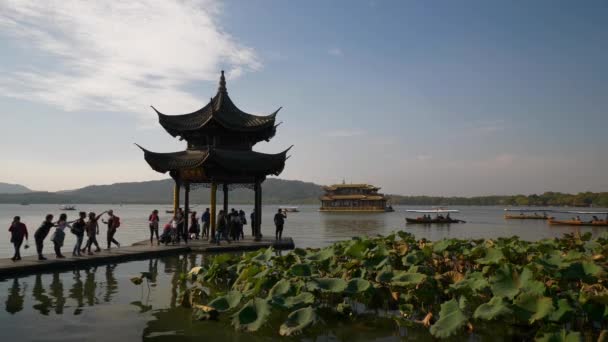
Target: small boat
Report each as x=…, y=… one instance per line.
x=289, y=209
x=67, y=207
x=438, y=219
x=25, y=203
x=169, y=211
x=524, y=216
x=594, y=222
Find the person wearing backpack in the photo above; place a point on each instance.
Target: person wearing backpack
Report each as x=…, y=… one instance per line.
x=113, y=223
x=279, y=221
x=41, y=234
x=78, y=228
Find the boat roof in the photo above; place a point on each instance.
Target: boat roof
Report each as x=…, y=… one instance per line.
x=531, y=210
x=434, y=211
x=585, y=212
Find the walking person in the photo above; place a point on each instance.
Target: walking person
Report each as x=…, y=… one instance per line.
x=222, y=227
x=243, y=218
x=92, y=228
x=153, y=220
x=18, y=231
x=78, y=229
x=113, y=223
x=279, y=221
x=59, y=235
x=41, y=233
x=205, y=219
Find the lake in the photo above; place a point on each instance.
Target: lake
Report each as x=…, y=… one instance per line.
x=101, y=303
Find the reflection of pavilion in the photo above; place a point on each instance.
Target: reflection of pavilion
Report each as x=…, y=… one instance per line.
x=220, y=138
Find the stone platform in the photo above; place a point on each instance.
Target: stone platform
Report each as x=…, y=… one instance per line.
x=139, y=250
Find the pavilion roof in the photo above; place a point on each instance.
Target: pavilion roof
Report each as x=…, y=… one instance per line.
x=220, y=109
x=241, y=162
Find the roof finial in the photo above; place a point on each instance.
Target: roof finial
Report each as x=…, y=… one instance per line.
x=222, y=87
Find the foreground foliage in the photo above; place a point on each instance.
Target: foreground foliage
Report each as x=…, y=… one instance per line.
x=553, y=289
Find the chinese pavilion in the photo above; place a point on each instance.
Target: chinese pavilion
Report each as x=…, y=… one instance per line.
x=354, y=198
x=220, y=138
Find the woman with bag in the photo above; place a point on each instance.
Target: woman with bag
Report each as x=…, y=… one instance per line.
x=78, y=228
x=153, y=224
x=59, y=235
x=18, y=231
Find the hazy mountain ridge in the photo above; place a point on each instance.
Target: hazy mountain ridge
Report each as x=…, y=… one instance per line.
x=7, y=188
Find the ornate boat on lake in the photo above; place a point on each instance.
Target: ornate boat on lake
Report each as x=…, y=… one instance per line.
x=354, y=198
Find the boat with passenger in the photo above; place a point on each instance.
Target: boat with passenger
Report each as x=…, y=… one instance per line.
x=67, y=207
x=527, y=214
x=438, y=218
x=595, y=221
x=289, y=209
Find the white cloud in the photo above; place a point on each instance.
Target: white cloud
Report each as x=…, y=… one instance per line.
x=335, y=52
x=119, y=56
x=344, y=133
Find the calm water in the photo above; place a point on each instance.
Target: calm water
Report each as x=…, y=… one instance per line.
x=100, y=303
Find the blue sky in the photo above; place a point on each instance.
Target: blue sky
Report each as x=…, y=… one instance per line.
x=439, y=98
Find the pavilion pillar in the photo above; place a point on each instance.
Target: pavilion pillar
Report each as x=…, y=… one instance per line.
x=186, y=209
x=258, y=209
x=225, y=190
x=212, y=213
x=176, y=196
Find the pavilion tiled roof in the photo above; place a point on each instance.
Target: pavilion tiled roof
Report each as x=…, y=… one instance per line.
x=220, y=109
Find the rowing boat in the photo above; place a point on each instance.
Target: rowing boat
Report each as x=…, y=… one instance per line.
x=526, y=217
x=431, y=221
x=600, y=223
x=438, y=219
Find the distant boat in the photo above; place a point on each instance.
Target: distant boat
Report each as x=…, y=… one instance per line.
x=523, y=216
x=595, y=221
x=25, y=203
x=290, y=209
x=67, y=207
x=438, y=219
x=357, y=198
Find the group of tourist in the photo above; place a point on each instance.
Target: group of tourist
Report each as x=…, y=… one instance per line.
x=80, y=227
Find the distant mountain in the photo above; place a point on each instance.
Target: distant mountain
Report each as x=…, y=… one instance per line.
x=6, y=188
x=274, y=191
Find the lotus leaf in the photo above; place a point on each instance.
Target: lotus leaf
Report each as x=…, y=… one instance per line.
x=562, y=336
x=532, y=307
x=442, y=245
x=357, y=285
x=298, y=321
x=507, y=282
x=563, y=311
x=334, y=285
x=596, y=293
x=263, y=256
x=493, y=256
x=303, y=298
x=227, y=302
x=356, y=248
x=406, y=279
x=280, y=289
x=252, y=315
x=321, y=255
x=451, y=320
x=493, y=309
x=344, y=308
x=473, y=281
x=301, y=270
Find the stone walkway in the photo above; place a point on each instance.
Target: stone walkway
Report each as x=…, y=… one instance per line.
x=139, y=250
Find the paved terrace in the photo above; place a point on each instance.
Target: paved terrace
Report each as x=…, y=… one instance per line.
x=139, y=250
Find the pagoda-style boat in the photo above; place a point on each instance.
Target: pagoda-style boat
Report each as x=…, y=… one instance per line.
x=525, y=214
x=428, y=219
x=594, y=222
x=354, y=198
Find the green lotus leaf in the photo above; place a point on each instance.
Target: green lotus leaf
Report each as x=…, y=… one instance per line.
x=406, y=279
x=562, y=336
x=596, y=293
x=263, y=256
x=321, y=255
x=252, y=315
x=554, y=260
x=357, y=285
x=303, y=298
x=344, y=309
x=493, y=256
x=376, y=262
x=227, y=302
x=493, y=309
x=474, y=281
x=297, y=321
x=508, y=283
x=334, y=285
x=533, y=307
x=442, y=245
x=357, y=248
x=583, y=270
x=451, y=320
x=301, y=270
x=563, y=311
x=378, y=251
x=384, y=276
x=280, y=289
x=413, y=258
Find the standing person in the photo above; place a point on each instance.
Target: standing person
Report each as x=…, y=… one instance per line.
x=279, y=221
x=153, y=220
x=59, y=235
x=78, y=228
x=92, y=228
x=205, y=219
x=113, y=223
x=18, y=231
x=41, y=234
x=194, y=230
x=233, y=223
x=180, y=221
x=252, y=217
x=222, y=227
x=243, y=222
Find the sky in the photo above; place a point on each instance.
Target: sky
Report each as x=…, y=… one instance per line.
x=436, y=98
